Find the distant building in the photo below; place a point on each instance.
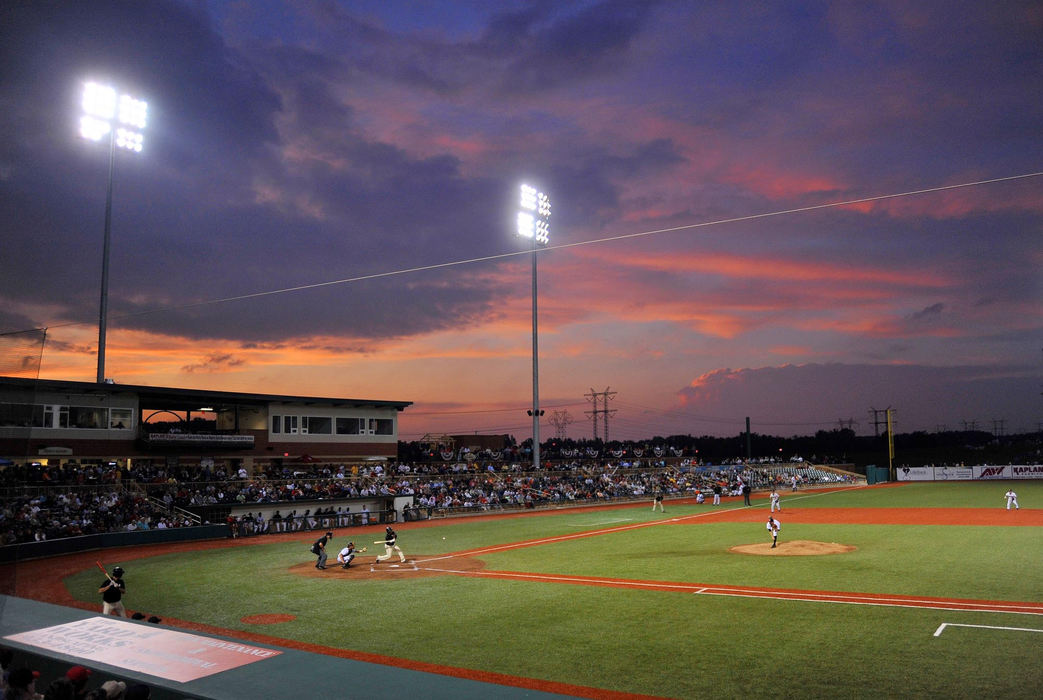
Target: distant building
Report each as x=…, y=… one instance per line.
x=55, y=421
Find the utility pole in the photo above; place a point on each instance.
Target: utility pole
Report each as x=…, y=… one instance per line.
x=877, y=420
x=603, y=411
x=999, y=427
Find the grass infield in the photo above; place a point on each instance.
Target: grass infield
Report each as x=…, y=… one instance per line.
x=654, y=641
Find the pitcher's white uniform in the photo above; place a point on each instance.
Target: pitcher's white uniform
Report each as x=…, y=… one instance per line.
x=773, y=529
x=1012, y=499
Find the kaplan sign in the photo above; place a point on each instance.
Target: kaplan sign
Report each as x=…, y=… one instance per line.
x=983, y=472
x=1030, y=471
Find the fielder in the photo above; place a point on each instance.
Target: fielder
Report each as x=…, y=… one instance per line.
x=657, y=500
x=775, y=503
x=773, y=529
x=390, y=538
x=1012, y=499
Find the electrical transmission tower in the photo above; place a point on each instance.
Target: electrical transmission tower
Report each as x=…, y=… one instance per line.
x=849, y=423
x=560, y=420
x=593, y=397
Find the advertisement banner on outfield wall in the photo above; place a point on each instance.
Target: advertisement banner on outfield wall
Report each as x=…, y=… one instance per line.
x=998, y=472
x=953, y=473
x=1026, y=471
x=915, y=473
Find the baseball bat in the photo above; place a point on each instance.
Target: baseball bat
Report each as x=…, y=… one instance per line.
x=104, y=571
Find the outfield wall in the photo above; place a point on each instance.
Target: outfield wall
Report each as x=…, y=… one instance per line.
x=979, y=473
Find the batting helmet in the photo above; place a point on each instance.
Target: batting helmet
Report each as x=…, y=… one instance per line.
x=117, y=571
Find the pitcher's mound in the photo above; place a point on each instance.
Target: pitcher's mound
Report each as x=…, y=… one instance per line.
x=796, y=548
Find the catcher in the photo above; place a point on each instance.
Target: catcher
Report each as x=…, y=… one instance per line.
x=347, y=554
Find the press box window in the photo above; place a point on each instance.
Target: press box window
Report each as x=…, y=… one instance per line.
x=349, y=426
x=119, y=418
x=319, y=425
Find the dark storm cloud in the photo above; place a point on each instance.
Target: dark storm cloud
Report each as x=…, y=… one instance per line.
x=540, y=46
x=187, y=224
x=545, y=50
x=927, y=313
x=208, y=119
x=214, y=363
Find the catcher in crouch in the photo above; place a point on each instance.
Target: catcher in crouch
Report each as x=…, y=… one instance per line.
x=346, y=555
x=389, y=546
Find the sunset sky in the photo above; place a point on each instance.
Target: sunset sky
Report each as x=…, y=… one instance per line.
x=324, y=205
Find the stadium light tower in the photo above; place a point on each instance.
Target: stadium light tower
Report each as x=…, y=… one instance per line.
x=122, y=119
x=534, y=224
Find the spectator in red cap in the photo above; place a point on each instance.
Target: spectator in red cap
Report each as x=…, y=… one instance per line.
x=79, y=675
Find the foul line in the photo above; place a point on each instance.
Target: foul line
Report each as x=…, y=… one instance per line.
x=878, y=600
x=941, y=628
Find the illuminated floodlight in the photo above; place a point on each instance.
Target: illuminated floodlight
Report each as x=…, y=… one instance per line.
x=526, y=225
x=130, y=140
x=99, y=101
x=528, y=197
x=534, y=225
x=132, y=112
x=93, y=128
x=106, y=112
x=122, y=118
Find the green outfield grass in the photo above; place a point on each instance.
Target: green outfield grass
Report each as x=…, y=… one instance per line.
x=644, y=641
x=957, y=494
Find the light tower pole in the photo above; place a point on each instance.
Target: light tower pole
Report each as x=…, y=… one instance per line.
x=121, y=118
x=534, y=224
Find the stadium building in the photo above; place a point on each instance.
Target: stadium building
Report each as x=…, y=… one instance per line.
x=59, y=422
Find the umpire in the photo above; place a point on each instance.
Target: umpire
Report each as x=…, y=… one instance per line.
x=319, y=548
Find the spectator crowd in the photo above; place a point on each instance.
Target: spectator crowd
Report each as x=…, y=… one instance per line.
x=44, y=503
x=18, y=681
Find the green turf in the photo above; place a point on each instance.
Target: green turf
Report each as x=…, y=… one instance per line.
x=642, y=641
x=959, y=494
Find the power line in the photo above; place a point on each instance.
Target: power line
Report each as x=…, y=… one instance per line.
x=562, y=246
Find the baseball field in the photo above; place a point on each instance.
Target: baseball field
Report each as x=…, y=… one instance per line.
x=913, y=590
